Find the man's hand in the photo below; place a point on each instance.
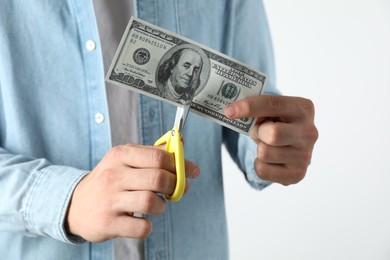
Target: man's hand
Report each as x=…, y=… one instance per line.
x=127, y=180
x=284, y=132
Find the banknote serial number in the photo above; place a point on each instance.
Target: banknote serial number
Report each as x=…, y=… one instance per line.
x=137, y=37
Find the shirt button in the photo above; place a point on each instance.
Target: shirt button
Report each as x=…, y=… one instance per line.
x=90, y=45
x=151, y=113
x=99, y=118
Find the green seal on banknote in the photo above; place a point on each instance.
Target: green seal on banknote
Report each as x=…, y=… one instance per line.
x=229, y=91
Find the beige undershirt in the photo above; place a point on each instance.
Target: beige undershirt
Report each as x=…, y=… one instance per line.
x=112, y=18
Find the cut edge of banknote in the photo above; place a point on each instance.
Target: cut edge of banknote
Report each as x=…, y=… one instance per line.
x=243, y=126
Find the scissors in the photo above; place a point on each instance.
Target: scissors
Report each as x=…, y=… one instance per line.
x=174, y=144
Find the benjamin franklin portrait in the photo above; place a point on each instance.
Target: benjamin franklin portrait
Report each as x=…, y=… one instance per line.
x=182, y=73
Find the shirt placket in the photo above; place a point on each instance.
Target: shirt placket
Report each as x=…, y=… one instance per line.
x=157, y=244
x=100, y=141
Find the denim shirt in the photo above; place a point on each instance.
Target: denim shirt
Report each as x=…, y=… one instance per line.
x=54, y=125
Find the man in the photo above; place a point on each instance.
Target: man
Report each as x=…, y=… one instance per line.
x=178, y=76
x=66, y=194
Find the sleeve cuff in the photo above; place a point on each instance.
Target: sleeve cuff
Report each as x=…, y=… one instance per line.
x=48, y=200
x=247, y=153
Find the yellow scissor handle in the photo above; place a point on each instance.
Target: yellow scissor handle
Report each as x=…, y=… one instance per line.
x=172, y=140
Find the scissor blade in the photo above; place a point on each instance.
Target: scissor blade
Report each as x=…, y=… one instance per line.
x=181, y=116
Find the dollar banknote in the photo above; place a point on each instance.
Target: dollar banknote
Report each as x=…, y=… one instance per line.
x=167, y=66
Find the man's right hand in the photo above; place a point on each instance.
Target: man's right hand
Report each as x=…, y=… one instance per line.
x=127, y=180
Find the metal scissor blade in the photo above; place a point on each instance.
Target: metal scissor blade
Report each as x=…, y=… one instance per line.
x=181, y=116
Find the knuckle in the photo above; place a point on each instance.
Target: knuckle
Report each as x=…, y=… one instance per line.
x=162, y=207
x=274, y=135
x=148, y=201
x=255, y=133
x=104, y=223
x=158, y=157
x=276, y=103
x=297, y=176
x=314, y=134
x=144, y=228
x=261, y=171
x=311, y=135
x=108, y=177
x=157, y=179
x=307, y=158
x=107, y=204
x=116, y=152
x=308, y=105
x=243, y=107
x=263, y=151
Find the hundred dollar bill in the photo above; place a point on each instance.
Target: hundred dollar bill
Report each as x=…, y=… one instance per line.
x=172, y=68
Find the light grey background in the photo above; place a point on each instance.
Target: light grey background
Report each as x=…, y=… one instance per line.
x=337, y=53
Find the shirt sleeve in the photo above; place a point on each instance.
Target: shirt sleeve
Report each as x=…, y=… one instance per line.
x=256, y=51
x=35, y=196
x=243, y=151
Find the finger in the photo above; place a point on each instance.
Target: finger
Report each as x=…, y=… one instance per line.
x=270, y=106
x=155, y=180
x=129, y=226
x=281, y=134
x=144, y=202
x=279, y=173
x=286, y=155
x=192, y=170
x=142, y=157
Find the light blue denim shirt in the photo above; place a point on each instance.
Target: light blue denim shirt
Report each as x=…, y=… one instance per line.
x=54, y=125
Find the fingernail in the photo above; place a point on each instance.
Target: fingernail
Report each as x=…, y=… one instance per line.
x=196, y=172
x=230, y=110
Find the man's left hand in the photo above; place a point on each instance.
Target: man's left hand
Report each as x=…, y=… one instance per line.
x=285, y=134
